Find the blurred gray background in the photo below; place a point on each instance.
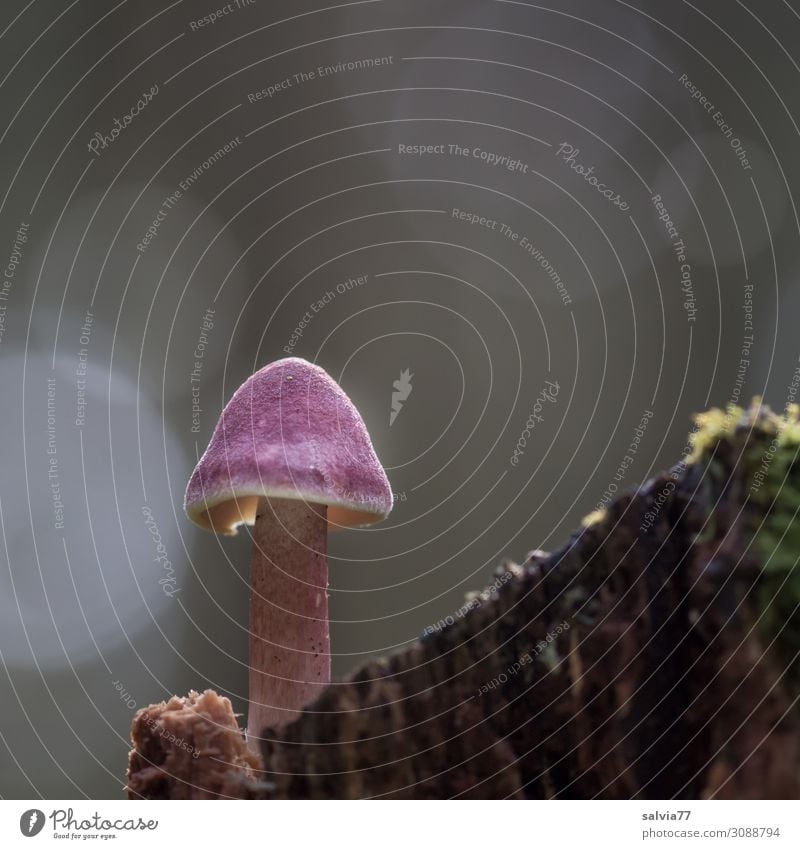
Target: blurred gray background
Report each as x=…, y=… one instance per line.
x=697, y=104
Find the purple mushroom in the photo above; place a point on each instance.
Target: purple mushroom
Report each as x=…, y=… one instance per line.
x=291, y=456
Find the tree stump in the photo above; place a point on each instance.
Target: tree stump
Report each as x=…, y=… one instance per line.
x=654, y=655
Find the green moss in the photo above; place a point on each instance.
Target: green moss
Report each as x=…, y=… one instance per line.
x=594, y=518
x=754, y=424
x=751, y=459
x=762, y=451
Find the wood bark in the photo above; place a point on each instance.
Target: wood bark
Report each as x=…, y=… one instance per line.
x=630, y=663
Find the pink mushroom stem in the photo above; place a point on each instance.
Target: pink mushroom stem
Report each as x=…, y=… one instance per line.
x=290, y=658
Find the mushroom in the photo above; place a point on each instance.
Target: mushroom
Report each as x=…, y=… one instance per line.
x=291, y=456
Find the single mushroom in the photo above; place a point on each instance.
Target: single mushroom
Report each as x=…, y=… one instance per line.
x=291, y=456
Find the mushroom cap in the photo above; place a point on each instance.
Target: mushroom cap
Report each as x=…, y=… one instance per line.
x=289, y=431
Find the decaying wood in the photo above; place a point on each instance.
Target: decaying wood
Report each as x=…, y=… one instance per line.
x=630, y=663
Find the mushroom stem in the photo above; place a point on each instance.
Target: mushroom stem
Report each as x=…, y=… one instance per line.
x=290, y=659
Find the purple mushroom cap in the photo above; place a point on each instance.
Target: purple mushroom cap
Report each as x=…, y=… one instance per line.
x=289, y=431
